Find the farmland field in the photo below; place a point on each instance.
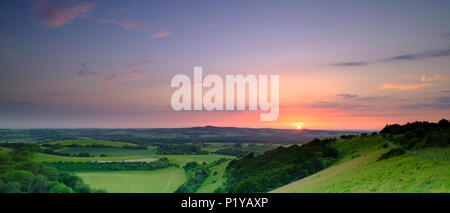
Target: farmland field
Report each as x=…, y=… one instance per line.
x=177, y=159
x=156, y=181
x=109, y=151
x=92, y=142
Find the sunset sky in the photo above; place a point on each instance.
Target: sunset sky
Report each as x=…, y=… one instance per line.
x=104, y=63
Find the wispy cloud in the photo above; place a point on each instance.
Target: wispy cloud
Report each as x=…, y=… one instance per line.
x=424, y=81
x=433, y=78
x=442, y=102
x=404, y=86
x=373, y=98
x=328, y=105
x=351, y=64
x=84, y=70
x=55, y=15
x=131, y=71
x=347, y=96
x=128, y=25
x=357, y=98
x=161, y=34
x=405, y=57
x=420, y=55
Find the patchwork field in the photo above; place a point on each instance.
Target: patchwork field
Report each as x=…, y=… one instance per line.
x=177, y=159
x=164, y=180
x=91, y=142
x=133, y=181
x=108, y=151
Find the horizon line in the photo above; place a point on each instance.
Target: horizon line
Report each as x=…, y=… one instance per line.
x=111, y=128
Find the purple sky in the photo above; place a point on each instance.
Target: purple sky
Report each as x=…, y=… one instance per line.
x=342, y=64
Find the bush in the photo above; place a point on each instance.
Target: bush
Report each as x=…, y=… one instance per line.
x=60, y=188
x=20, y=175
x=392, y=153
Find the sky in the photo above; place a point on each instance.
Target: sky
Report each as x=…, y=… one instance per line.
x=109, y=64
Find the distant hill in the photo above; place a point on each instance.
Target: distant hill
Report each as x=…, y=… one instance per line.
x=207, y=134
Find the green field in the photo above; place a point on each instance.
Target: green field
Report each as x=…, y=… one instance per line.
x=151, y=150
x=161, y=180
x=91, y=142
x=177, y=159
x=259, y=148
x=359, y=171
x=4, y=151
x=164, y=180
x=213, y=182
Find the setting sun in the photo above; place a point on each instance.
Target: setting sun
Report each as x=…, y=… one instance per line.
x=298, y=125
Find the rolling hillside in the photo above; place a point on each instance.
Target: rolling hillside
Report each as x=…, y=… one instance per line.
x=361, y=171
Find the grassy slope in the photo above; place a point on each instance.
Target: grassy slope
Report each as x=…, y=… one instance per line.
x=359, y=171
x=156, y=181
x=4, y=151
x=213, y=182
x=90, y=142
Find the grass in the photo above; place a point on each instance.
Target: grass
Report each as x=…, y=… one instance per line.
x=165, y=180
x=177, y=159
x=212, y=149
x=259, y=148
x=432, y=153
x=213, y=182
x=256, y=148
x=4, y=152
x=161, y=180
x=151, y=150
x=360, y=171
x=183, y=159
x=40, y=157
x=91, y=142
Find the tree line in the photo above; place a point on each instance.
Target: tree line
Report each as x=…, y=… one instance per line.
x=180, y=149
x=416, y=135
x=278, y=167
x=109, y=166
x=18, y=174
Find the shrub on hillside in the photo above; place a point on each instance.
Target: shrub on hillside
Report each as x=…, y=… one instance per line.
x=392, y=153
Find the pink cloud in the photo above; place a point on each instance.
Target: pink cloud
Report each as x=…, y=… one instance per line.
x=126, y=25
x=423, y=81
x=55, y=16
x=161, y=34
x=404, y=86
x=131, y=71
